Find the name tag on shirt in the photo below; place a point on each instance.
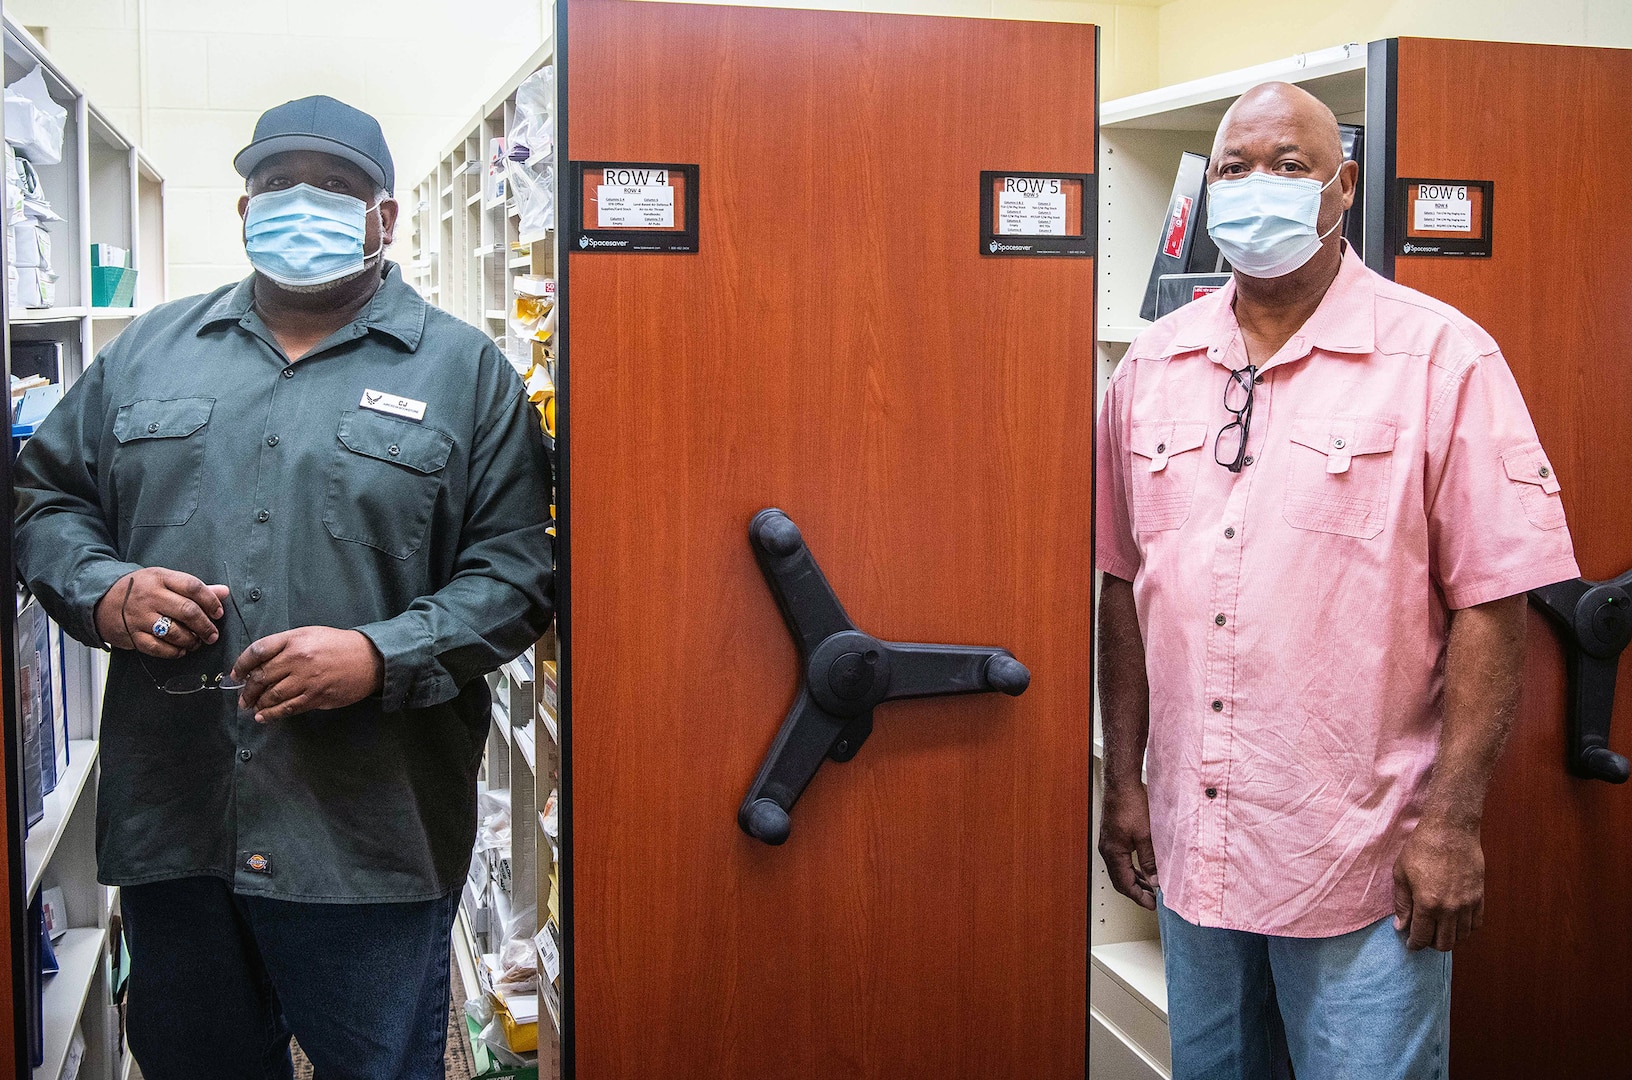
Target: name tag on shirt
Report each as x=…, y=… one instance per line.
x=391, y=404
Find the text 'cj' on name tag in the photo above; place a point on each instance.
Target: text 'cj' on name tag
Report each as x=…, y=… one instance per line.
x=393, y=405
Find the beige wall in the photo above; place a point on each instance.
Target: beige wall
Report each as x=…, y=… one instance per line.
x=1205, y=37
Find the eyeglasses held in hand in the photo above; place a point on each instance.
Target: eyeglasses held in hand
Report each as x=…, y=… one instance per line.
x=1230, y=447
x=187, y=684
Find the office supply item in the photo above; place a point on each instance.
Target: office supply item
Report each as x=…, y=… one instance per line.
x=1173, y=291
x=1184, y=246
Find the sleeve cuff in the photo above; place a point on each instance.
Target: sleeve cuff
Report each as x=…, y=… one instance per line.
x=89, y=586
x=1511, y=584
x=404, y=654
x=1117, y=568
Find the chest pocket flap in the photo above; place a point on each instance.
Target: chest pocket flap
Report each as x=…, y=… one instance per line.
x=155, y=419
x=1343, y=438
x=1159, y=440
x=422, y=449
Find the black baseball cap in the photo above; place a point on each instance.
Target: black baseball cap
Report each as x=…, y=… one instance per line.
x=323, y=124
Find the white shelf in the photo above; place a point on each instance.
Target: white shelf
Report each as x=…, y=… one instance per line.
x=125, y=1069
x=464, y=952
x=1138, y=967
x=550, y=726
x=79, y=960
x=115, y=313
x=501, y=721
x=520, y=262
x=1199, y=105
x=59, y=807
x=49, y=314
x=529, y=753
x=1122, y=334
x=495, y=314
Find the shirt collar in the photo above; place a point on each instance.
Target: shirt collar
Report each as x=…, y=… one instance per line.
x=396, y=310
x=1345, y=321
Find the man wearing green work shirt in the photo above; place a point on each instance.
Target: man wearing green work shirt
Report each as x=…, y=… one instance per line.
x=307, y=513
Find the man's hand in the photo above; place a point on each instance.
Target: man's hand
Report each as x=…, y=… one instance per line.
x=310, y=667
x=138, y=599
x=1439, y=885
x=1124, y=843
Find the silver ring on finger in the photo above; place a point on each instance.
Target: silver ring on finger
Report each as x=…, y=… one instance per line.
x=162, y=627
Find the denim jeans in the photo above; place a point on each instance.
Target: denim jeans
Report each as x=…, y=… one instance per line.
x=219, y=982
x=1359, y=1006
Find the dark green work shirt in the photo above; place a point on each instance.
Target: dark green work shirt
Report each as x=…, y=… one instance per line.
x=192, y=443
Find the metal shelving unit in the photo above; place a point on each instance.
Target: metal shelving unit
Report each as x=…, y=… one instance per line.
x=108, y=192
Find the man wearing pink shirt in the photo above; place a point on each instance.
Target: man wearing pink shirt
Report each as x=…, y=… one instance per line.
x=1321, y=501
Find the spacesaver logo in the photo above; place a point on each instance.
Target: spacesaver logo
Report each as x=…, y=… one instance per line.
x=587, y=242
x=996, y=247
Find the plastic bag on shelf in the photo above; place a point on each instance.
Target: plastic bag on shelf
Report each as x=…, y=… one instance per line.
x=534, y=304
x=34, y=120
x=493, y=833
x=532, y=133
x=531, y=159
x=535, y=201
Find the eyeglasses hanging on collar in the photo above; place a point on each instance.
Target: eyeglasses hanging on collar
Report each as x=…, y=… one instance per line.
x=1230, y=447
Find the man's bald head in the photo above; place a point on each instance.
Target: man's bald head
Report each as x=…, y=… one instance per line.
x=1281, y=131
x=1289, y=117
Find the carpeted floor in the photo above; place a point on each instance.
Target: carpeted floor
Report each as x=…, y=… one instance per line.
x=459, y=1061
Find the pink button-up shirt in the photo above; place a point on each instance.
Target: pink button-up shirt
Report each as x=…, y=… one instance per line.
x=1295, y=614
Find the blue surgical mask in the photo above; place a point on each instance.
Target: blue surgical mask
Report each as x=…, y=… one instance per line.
x=1265, y=224
x=306, y=236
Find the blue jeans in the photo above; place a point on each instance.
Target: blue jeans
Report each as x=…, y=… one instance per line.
x=218, y=983
x=1354, y=1007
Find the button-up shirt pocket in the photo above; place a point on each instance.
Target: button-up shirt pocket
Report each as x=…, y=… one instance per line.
x=383, y=482
x=1339, y=473
x=158, y=468
x=1532, y=474
x=1166, y=454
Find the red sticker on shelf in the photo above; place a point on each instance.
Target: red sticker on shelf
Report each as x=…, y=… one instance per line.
x=1178, y=223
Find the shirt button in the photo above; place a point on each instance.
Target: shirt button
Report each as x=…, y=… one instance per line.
x=271, y=440
x=1219, y=619
x=1229, y=534
x=394, y=450
x=151, y=428
x=264, y=516
x=1545, y=472
x=1218, y=706
x=1259, y=381
x=1247, y=460
x=288, y=372
x=254, y=596
x=1212, y=792
x=244, y=755
x=1338, y=444
x=1161, y=448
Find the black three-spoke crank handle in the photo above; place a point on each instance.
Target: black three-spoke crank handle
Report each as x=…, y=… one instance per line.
x=845, y=674
x=1595, y=621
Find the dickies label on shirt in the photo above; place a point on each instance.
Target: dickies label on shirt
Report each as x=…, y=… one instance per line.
x=393, y=405
x=258, y=862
